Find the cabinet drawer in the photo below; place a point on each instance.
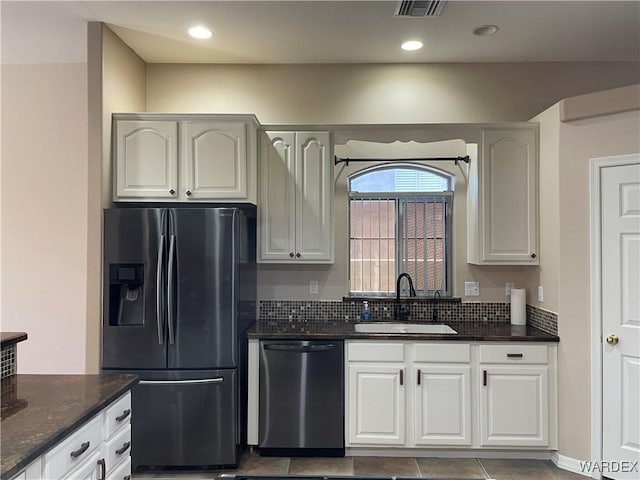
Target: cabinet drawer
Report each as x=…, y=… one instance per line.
x=87, y=471
x=117, y=416
x=513, y=354
x=73, y=451
x=123, y=472
x=375, y=352
x=118, y=448
x=442, y=352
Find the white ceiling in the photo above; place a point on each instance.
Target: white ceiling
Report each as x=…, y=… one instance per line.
x=328, y=31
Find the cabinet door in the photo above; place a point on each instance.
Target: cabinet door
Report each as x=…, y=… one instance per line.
x=146, y=159
x=514, y=406
x=215, y=160
x=509, y=196
x=314, y=181
x=376, y=405
x=277, y=197
x=442, y=404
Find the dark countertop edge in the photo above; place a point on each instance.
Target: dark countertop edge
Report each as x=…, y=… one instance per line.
x=47, y=444
x=347, y=332
x=11, y=338
x=403, y=336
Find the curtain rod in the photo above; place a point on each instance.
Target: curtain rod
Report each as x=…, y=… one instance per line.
x=464, y=159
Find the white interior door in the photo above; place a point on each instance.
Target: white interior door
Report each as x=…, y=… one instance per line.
x=620, y=234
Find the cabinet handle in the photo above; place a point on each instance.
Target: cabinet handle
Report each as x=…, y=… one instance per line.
x=126, y=477
x=83, y=448
x=103, y=469
x=291, y=254
x=533, y=255
x=188, y=192
x=124, y=415
x=298, y=255
x=515, y=355
x=418, y=376
x=124, y=448
x=402, y=377
x=484, y=378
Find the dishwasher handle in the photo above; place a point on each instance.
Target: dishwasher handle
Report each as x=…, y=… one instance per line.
x=283, y=347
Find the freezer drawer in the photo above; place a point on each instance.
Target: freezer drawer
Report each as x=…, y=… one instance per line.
x=185, y=418
x=301, y=396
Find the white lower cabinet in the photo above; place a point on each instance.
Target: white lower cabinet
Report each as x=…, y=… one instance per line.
x=514, y=396
x=409, y=396
x=377, y=401
x=116, y=448
x=97, y=450
x=436, y=394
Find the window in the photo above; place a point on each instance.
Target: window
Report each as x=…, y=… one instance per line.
x=400, y=221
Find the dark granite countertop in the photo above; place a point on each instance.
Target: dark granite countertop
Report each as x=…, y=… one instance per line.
x=468, y=331
x=40, y=410
x=11, y=338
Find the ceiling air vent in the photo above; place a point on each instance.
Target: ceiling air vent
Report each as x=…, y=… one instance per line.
x=409, y=8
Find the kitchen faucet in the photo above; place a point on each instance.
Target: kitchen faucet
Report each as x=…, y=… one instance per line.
x=436, y=299
x=402, y=313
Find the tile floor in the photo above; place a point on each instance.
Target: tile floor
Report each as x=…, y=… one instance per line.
x=442, y=468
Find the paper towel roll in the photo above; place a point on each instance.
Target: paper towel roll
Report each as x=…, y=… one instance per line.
x=518, y=306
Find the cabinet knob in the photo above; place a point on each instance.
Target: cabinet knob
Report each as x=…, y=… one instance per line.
x=172, y=191
x=188, y=192
x=298, y=255
x=291, y=254
x=533, y=255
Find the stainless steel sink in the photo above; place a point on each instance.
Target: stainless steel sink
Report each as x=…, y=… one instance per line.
x=425, y=328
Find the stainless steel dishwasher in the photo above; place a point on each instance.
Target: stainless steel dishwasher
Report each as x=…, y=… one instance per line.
x=301, y=397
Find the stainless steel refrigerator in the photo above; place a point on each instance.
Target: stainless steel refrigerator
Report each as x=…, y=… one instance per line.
x=178, y=297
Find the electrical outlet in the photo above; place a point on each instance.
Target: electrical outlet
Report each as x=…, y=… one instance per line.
x=472, y=289
x=313, y=287
x=540, y=293
x=507, y=288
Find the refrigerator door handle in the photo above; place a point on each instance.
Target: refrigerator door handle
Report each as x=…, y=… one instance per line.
x=159, y=290
x=170, y=287
x=182, y=382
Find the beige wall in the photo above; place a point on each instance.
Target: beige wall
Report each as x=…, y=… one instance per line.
x=565, y=153
x=118, y=84
x=335, y=94
x=44, y=214
x=547, y=274
x=580, y=141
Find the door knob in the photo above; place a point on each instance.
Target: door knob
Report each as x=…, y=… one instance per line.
x=612, y=339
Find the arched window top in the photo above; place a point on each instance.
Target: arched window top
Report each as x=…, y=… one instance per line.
x=400, y=178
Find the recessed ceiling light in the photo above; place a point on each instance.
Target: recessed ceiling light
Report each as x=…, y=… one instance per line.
x=412, y=45
x=200, y=32
x=485, y=30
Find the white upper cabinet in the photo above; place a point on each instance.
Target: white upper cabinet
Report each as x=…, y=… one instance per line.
x=502, y=198
x=146, y=159
x=215, y=159
x=187, y=158
x=296, y=198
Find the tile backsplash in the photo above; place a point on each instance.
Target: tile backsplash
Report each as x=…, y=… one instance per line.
x=296, y=315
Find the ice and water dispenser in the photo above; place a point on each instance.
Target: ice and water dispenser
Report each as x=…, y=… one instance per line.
x=126, y=294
